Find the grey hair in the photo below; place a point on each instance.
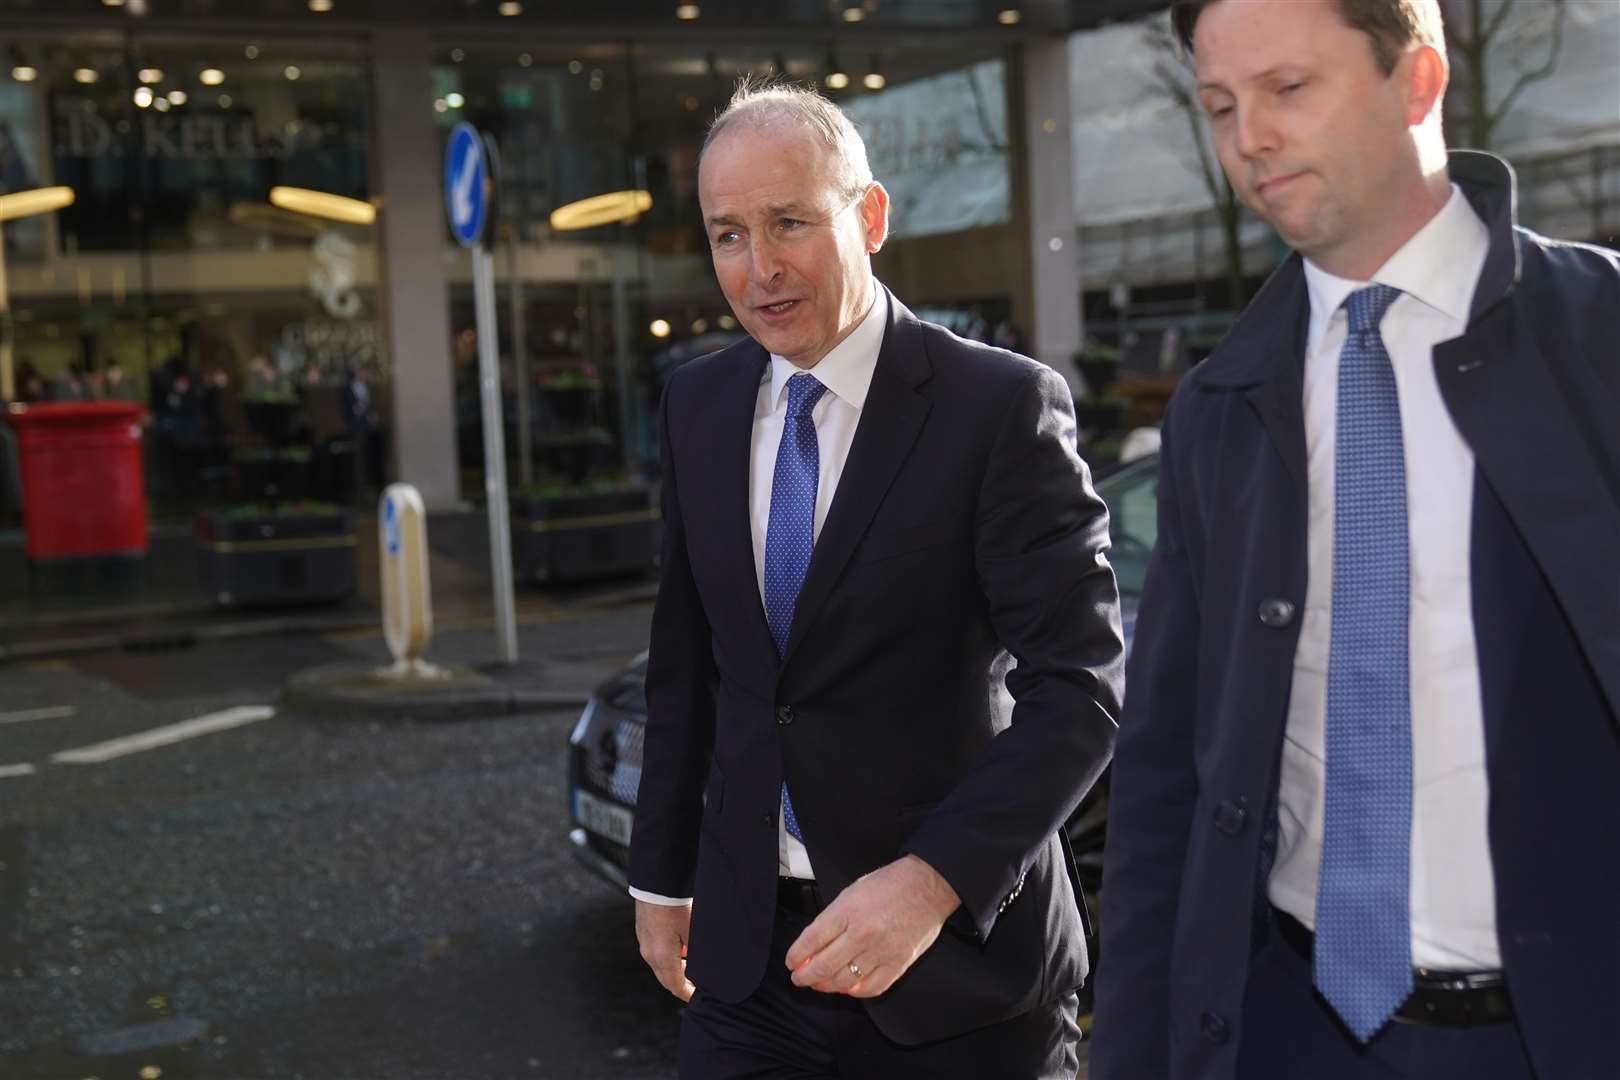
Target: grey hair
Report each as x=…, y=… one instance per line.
x=765, y=104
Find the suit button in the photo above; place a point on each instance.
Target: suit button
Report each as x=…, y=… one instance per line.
x=1230, y=817
x=769, y=820
x=1276, y=612
x=1214, y=1028
x=784, y=714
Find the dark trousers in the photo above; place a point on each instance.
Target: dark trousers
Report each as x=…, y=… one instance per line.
x=1291, y=1033
x=785, y=1032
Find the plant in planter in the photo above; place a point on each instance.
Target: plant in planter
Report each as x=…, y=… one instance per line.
x=1099, y=365
x=575, y=531
x=276, y=548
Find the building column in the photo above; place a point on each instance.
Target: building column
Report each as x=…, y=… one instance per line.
x=414, y=285
x=1043, y=198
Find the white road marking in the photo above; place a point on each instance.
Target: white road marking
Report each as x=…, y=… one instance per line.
x=54, y=712
x=15, y=770
x=165, y=736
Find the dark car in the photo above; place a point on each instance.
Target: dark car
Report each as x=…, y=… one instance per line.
x=604, y=750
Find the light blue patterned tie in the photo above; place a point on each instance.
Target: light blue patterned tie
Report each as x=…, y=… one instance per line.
x=791, y=532
x=1363, y=959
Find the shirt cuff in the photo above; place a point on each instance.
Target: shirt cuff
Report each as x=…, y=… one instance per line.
x=661, y=901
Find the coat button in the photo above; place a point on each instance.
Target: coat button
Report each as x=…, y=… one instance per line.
x=784, y=714
x=1214, y=1028
x=1230, y=817
x=768, y=819
x=1276, y=612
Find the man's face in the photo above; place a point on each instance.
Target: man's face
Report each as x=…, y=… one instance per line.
x=791, y=250
x=1313, y=136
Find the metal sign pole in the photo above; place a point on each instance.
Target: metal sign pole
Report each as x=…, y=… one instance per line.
x=520, y=366
x=500, y=534
x=470, y=164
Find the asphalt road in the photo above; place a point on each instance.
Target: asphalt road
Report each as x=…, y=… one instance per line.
x=291, y=898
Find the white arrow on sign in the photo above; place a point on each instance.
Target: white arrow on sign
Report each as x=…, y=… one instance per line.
x=461, y=207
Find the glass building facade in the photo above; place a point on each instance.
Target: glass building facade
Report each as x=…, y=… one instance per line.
x=250, y=329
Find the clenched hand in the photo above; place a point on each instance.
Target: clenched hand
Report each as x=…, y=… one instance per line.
x=880, y=925
x=661, y=931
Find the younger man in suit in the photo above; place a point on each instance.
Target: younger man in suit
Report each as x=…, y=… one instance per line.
x=1363, y=813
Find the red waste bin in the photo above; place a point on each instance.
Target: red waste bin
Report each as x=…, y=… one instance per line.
x=84, y=487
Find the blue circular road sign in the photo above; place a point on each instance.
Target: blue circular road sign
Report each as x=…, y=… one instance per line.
x=466, y=184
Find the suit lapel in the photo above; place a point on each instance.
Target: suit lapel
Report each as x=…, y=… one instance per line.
x=1265, y=356
x=730, y=437
x=1500, y=391
x=890, y=421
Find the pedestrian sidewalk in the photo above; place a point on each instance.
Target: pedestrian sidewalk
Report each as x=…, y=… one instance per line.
x=159, y=603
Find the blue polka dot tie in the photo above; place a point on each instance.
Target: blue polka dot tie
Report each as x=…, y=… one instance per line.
x=1363, y=958
x=791, y=533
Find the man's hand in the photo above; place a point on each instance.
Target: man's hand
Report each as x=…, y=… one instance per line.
x=880, y=925
x=661, y=929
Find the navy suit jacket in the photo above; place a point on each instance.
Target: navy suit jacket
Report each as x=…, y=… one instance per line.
x=1533, y=384
x=964, y=534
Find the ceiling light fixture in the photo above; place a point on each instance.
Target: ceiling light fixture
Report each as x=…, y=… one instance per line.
x=25, y=73
x=292, y=72
x=1008, y=17
x=150, y=75
x=854, y=14
x=874, y=79
x=510, y=8
x=837, y=78
x=601, y=210
x=659, y=328
x=85, y=75
x=251, y=52
x=210, y=76
x=320, y=7
x=177, y=97
x=454, y=100
x=525, y=60
x=142, y=97
x=323, y=204
x=687, y=12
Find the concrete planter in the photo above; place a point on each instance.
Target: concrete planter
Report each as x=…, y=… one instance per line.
x=272, y=560
x=578, y=537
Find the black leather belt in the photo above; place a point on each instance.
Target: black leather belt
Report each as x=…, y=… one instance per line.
x=798, y=894
x=1441, y=998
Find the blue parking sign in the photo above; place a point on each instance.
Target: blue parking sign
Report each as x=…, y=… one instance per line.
x=390, y=525
x=466, y=184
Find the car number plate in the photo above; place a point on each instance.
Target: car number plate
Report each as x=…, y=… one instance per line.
x=602, y=817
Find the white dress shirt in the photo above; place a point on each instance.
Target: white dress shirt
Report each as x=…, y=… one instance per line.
x=1453, y=898
x=846, y=372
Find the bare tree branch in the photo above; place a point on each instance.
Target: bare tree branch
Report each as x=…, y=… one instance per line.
x=1529, y=78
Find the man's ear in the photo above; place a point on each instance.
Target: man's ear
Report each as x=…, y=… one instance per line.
x=875, y=217
x=1426, y=74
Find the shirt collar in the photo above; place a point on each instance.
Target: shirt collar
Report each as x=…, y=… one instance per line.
x=847, y=370
x=1439, y=267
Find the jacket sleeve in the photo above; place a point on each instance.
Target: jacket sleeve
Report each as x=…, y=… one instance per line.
x=681, y=681
x=1040, y=548
x=1151, y=799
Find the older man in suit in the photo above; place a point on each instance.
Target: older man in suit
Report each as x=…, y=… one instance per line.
x=1367, y=790
x=885, y=656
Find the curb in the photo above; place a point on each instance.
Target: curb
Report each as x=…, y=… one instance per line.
x=158, y=638
x=352, y=692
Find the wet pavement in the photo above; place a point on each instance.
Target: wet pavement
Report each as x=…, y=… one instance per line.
x=290, y=897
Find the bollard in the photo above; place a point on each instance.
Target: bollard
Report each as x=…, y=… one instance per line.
x=407, y=598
